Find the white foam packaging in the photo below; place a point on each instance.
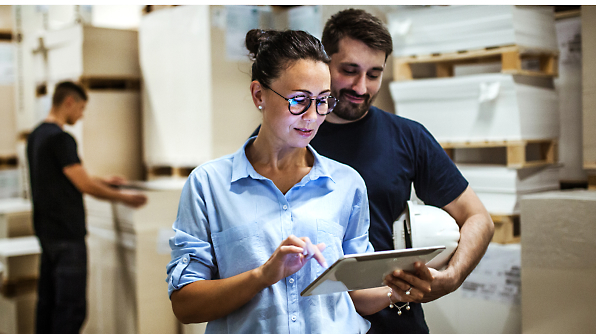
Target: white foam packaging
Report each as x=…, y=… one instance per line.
x=500, y=188
x=481, y=107
x=442, y=29
x=175, y=58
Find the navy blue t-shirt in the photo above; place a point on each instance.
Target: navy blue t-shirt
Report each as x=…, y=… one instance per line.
x=390, y=153
x=58, y=210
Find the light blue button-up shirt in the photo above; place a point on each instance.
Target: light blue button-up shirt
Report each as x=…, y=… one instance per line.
x=231, y=219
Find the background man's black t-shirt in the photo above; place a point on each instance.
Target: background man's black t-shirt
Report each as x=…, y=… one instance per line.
x=58, y=210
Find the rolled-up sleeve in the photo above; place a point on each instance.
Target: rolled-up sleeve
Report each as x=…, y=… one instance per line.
x=192, y=251
x=356, y=237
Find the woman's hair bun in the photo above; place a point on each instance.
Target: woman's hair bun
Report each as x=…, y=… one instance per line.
x=255, y=38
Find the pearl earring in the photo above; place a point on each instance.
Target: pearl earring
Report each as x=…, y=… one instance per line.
x=260, y=107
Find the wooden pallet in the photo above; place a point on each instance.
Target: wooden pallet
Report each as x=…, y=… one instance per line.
x=591, y=182
x=510, y=57
x=9, y=161
x=11, y=289
x=507, y=229
x=110, y=83
x=151, y=8
x=168, y=171
x=5, y=35
x=516, y=151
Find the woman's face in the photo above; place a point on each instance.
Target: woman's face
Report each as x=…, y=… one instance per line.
x=303, y=78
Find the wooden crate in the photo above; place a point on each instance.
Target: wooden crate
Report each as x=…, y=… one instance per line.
x=592, y=182
x=167, y=171
x=517, y=152
x=507, y=229
x=510, y=57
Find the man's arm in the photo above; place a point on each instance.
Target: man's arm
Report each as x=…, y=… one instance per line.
x=476, y=232
x=77, y=174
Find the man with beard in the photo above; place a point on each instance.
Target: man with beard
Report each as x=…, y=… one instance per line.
x=392, y=153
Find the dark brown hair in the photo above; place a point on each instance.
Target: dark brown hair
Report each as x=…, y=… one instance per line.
x=68, y=88
x=273, y=51
x=359, y=25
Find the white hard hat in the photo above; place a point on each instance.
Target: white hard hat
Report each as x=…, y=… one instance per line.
x=426, y=226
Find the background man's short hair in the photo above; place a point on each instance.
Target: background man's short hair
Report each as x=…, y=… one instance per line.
x=359, y=25
x=68, y=88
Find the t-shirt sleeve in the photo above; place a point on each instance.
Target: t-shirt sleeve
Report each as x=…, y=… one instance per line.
x=65, y=149
x=437, y=181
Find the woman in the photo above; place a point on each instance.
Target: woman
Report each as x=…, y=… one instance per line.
x=247, y=222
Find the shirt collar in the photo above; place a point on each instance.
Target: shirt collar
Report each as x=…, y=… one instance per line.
x=241, y=167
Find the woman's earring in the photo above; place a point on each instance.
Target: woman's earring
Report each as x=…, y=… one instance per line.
x=260, y=107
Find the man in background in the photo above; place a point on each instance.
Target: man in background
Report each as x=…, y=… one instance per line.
x=58, y=182
x=392, y=153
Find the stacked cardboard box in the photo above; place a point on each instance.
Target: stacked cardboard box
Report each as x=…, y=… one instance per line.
x=588, y=14
x=558, y=264
x=103, y=60
x=19, y=263
x=196, y=98
x=128, y=254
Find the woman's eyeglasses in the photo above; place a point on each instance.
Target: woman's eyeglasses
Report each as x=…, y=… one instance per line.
x=298, y=105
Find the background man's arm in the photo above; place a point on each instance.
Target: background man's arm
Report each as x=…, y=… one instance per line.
x=99, y=188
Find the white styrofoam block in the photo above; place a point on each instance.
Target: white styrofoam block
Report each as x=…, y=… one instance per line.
x=175, y=58
x=500, y=179
x=500, y=188
x=441, y=29
x=479, y=107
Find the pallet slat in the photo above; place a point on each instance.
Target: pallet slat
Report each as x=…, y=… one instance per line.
x=507, y=229
x=510, y=57
x=168, y=171
x=517, y=151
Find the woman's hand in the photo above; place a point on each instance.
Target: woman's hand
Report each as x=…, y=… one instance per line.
x=289, y=257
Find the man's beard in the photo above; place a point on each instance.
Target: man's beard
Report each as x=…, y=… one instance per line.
x=351, y=111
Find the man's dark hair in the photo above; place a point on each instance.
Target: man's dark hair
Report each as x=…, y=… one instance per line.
x=359, y=25
x=274, y=51
x=68, y=88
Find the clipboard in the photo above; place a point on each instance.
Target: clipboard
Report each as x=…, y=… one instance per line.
x=363, y=271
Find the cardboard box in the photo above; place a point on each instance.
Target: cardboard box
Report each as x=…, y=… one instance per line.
x=15, y=218
x=128, y=254
x=5, y=18
x=8, y=130
x=111, y=136
x=483, y=107
x=488, y=300
x=17, y=314
x=558, y=265
x=588, y=17
x=86, y=51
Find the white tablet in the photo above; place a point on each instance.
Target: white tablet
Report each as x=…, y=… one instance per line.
x=363, y=271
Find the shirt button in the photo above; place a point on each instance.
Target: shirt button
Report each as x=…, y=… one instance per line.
x=184, y=260
x=285, y=207
x=293, y=318
x=291, y=280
